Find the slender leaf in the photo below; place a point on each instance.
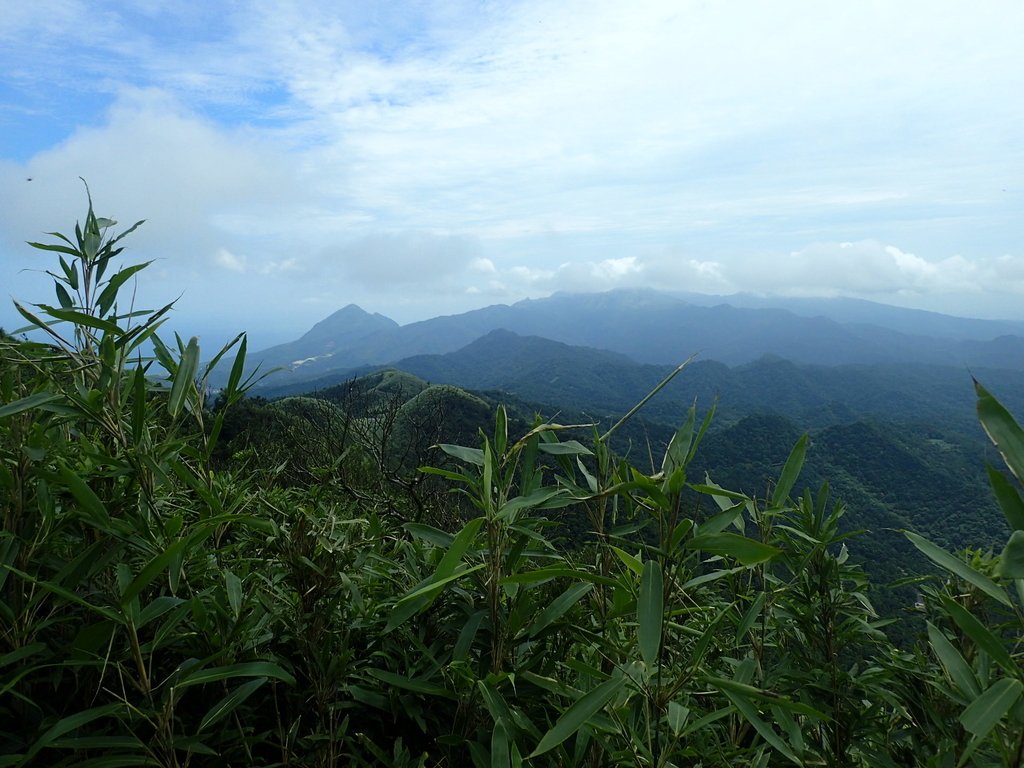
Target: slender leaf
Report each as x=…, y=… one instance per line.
x=578, y=714
x=747, y=551
x=184, y=377
x=1008, y=497
x=201, y=675
x=1002, y=429
x=71, y=723
x=984, y=712
x=558, y=607
x=749, y=712
x=230, y=703
x=27, y=403
x=980, y=634
x=956, y=667
x=790, y=472
x=650, y=612
x=959, y=568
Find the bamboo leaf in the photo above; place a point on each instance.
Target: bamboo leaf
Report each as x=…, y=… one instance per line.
x=233, y=588
x=980, y=634
x=87, y=499
x=68, y=724
x=558, y=607
x=184, y=377
x=749, y=712
x=1002, y=429
x=202, y=675
x=238, y=367
x=230, y=703
x=160, y=563
x=1011, y=563
x=956, y=667
x=63, y=297
x=650, y=612
x=1008, y=497
x=750, y=617
x=411, y=684
x=984, y=712
x=959, y=568
x=27, y=403
x=747, y=551
x=678, y=450
x=109, y=293
x=55, y=248
x=81, y=318
x=464, y=454
x=790, y=472
x=578, y=714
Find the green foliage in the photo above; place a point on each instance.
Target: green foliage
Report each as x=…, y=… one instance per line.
x=367, y=577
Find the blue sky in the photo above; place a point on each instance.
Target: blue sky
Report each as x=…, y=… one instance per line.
x=426, y=158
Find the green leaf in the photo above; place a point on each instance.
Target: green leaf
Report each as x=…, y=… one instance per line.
x=558, y=607
x=956, y=667
x=464, y=454
x=568, y=448
x=68, y=724
x=160, y=563
x=578, y=714
x=984, y=712
x=747, y=551
x=546, y=498
x=500, y=747
x=229, y=703
x=424, y=593
x=752, y=692
x=1008, y=497
x=81, y=318
x=411, y=684
x=87, y=499
x=233, y=587
x=750, y=617
x=238, y=367
x=1002, y=430
x=109, y=293
x=56, y=249
x=650, y=612
x=633, y=563
x=27, y=403
x=202, y=675
x=790, y=472
x=959, y=568
x=679, y=448
x=467, y=634
x=429, y=534
x=677, y=715
x=1011, y=563
x=184, y=377
x=980, y=634
x=749, y=712
x=63, y=297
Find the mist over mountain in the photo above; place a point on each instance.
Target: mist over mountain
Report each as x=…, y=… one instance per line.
x=652, y=327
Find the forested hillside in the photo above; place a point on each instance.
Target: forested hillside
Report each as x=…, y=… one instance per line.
x=367, y=578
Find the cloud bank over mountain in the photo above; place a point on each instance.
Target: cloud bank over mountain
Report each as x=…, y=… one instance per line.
x=293, y=157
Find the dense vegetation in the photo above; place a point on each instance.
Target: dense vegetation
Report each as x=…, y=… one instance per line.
x=175, y=592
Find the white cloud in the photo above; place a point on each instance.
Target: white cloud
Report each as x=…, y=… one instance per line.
x=423, y=155
x=226, y=259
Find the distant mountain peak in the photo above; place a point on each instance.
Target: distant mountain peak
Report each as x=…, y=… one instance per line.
x=349, y=320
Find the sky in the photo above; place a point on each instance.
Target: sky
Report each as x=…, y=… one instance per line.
x=425, y=158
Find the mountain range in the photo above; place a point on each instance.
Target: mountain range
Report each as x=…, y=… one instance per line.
x=655, y=328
